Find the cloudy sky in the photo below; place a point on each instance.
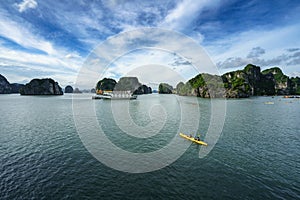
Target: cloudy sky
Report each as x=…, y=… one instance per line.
x=48, y=38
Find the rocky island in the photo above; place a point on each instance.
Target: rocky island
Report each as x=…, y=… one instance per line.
x=250, y=81
x=8, y=88
x=131, y=84
x=45, y=86
x=165, y=88
x=69, y=89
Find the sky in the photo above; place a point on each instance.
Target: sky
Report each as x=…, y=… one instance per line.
x=46, y=38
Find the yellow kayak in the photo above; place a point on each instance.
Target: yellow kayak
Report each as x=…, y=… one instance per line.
x=192, y=139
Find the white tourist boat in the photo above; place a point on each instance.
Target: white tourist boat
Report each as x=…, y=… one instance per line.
x=112, y=95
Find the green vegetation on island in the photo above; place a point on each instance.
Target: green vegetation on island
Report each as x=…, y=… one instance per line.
x=184, y=89
x=241, y=84
x=295, y=86
x=282, y=82
x=165, y=88
x=106, y=84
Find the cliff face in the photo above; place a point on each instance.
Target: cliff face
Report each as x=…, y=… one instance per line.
x=185, y=89
x=203, y=85
x=241, y=84
x=206, y=86
x=41, y=87
x=295, y=86
x=248, y=82
x=128, y=83
x=165, y=88
x=4, y=85
x=8, y=88
x=282, y=82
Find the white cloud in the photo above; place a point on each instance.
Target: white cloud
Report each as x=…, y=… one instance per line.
x=145, y=47
x=57, y=66
x=198, y=37
x=56, y=61
x=22, y=35
x=232, y=52
x=153, y=75
x=86, y=27
x=72, y=55
x=26, y=4
x=92, y=27
x=185, y=12
x=295, y=74
x=256, y=52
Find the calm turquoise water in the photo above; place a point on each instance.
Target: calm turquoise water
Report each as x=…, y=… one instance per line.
x=42, y=156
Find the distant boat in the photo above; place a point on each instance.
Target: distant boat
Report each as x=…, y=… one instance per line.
x=291, y=96
x=114, y=95
x=269, y=102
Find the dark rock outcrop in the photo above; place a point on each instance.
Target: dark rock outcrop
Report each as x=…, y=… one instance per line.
x=8, y=88
x=41, y=87
x=143, y=89
x=165, y=88
x=4, y=85
x=282, y=82
x=69, y=89
x=93, y=90
x=15, y=87
x=105, y=84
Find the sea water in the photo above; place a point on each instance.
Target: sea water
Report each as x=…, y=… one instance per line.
x=42, y=155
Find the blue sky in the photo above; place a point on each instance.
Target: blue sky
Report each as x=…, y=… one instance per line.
x=45, y=38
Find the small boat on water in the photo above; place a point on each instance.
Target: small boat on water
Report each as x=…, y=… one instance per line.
x=291, y=96
x=269, y=102
x=114, y=95
x=192, y=139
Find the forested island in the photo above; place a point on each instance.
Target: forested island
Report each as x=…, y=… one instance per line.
x=250, y=81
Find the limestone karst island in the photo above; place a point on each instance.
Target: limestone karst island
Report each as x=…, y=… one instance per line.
x=250, y=81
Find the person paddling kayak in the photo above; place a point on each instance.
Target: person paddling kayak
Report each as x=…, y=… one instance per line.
x=193, y=139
